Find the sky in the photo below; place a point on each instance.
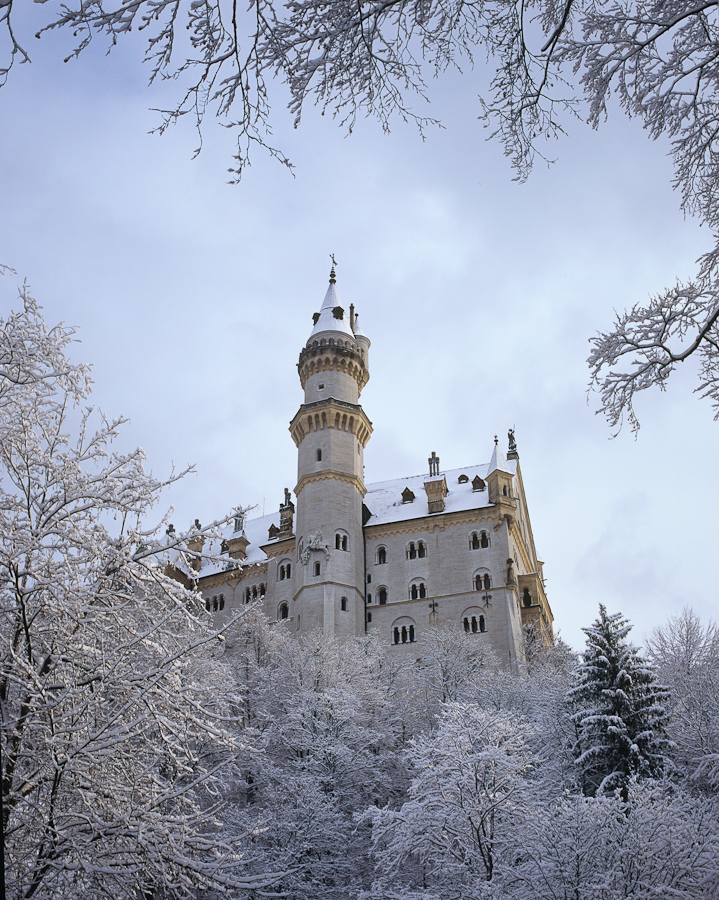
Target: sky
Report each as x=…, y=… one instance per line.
x=192, y=299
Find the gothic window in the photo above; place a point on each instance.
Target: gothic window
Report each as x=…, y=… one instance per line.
x=421, y=550
x=284, y=611
x=381, y=556
x=317, y=568
x=343, y=604
x=382, y=596
x=319, y=455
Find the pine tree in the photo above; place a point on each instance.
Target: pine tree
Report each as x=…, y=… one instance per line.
x=620, y=719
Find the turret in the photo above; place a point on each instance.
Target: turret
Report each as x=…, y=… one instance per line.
x=331, y=431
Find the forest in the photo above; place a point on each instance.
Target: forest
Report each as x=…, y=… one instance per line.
x=146, y=754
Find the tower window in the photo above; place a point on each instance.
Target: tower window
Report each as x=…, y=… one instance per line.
x=411, y=551
x=341, y=542
x=369, y=598
x=319, y=455
x=381, y=556
x=369, y=579
x=284, y=611
x=484, y=540
x=317, y=568
x=369, y=617
x=382, y=596
x=421, y=550
x=474, y=541
x=343, y=604
x=418, y=591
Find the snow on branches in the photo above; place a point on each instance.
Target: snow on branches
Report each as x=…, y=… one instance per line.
x=117, y=733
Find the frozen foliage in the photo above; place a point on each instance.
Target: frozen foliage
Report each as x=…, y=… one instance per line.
x=686, y=655
x=660, y=843
x=620, y=718
x=115, y=733
x=469, y=791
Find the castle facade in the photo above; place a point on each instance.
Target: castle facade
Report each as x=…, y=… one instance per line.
x=396, y=558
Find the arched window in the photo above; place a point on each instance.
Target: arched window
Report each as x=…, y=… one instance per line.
x=404, y=631
x=526, y=598
x=369, y=616
x=484, y=540
x=369, y=598
x=254, y=591
x=474, y=541
x=504, y=490
x=395, y=634
x=214, y=604
x=344, y=542
x=247, y=595
x=411, y=551
x=466, y=623
x=317, y=568
x=382, y=596
x=284, y=611
x=343, y=604
x=482, y=626
x=222, y=601
x=281, y=573
x=288, y=570
x=473, y=621
x=369, y=579
x=381, y=556
x=421, y=550
x=263, y=589
x=319, y=455
x=487, y=582
x=338, y=541
x=418, y=590
x=207, y=604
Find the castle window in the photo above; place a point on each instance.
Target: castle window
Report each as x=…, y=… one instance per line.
x=477, y=483
x=369, y=598
x=262, y=589
x=418, y=591
x=381, y=556
x=207, y=604
x=473, y=621
x=407, y=496
x=222, y=601
x=214, y=604
x=411, y=551
x=526, y=597
x=369, y=579
x=343, y=604
x=484, y=540
x=369, y=616
x=382, y=596
x=487, y=582
x=504, y=490
x=341, y=542
x=404, y=631
x=421, y=550
x=474, y=541
x=284, y=611
x=338, y=539
x=483, y=582
x=247, y=595
x=319, y=455
x=317, y=568
x=344, y=542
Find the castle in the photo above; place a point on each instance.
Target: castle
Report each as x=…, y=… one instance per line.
x=394, y=558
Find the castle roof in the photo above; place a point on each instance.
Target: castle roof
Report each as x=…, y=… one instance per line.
x=499, y=462
x=332, y=316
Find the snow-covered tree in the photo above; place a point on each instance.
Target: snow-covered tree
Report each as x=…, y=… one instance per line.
x=660, y=843
x=116, y=737
x=686, y=655
x=620, y=716
x=469, y=791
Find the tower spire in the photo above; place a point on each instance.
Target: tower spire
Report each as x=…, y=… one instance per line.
x=333, y=277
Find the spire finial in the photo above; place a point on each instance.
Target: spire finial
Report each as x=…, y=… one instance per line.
x=496, y=440
x=333, y=277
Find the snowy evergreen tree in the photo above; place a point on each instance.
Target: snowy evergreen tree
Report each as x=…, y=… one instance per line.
x=620, y=717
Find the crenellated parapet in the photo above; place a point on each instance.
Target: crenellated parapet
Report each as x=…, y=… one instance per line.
x=333, y=354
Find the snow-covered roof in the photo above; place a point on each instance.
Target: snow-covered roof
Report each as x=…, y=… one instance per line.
x=383, y=500
x=499, y=462
x=327, y=321
x=358, y=328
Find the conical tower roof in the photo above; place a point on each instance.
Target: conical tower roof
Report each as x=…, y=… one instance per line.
x=499, y=462
x=332, y=317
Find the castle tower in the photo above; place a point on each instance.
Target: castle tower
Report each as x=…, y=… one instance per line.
x=331, y=432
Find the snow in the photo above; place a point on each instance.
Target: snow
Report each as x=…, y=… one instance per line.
x=499, y=462
x=327, y=320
